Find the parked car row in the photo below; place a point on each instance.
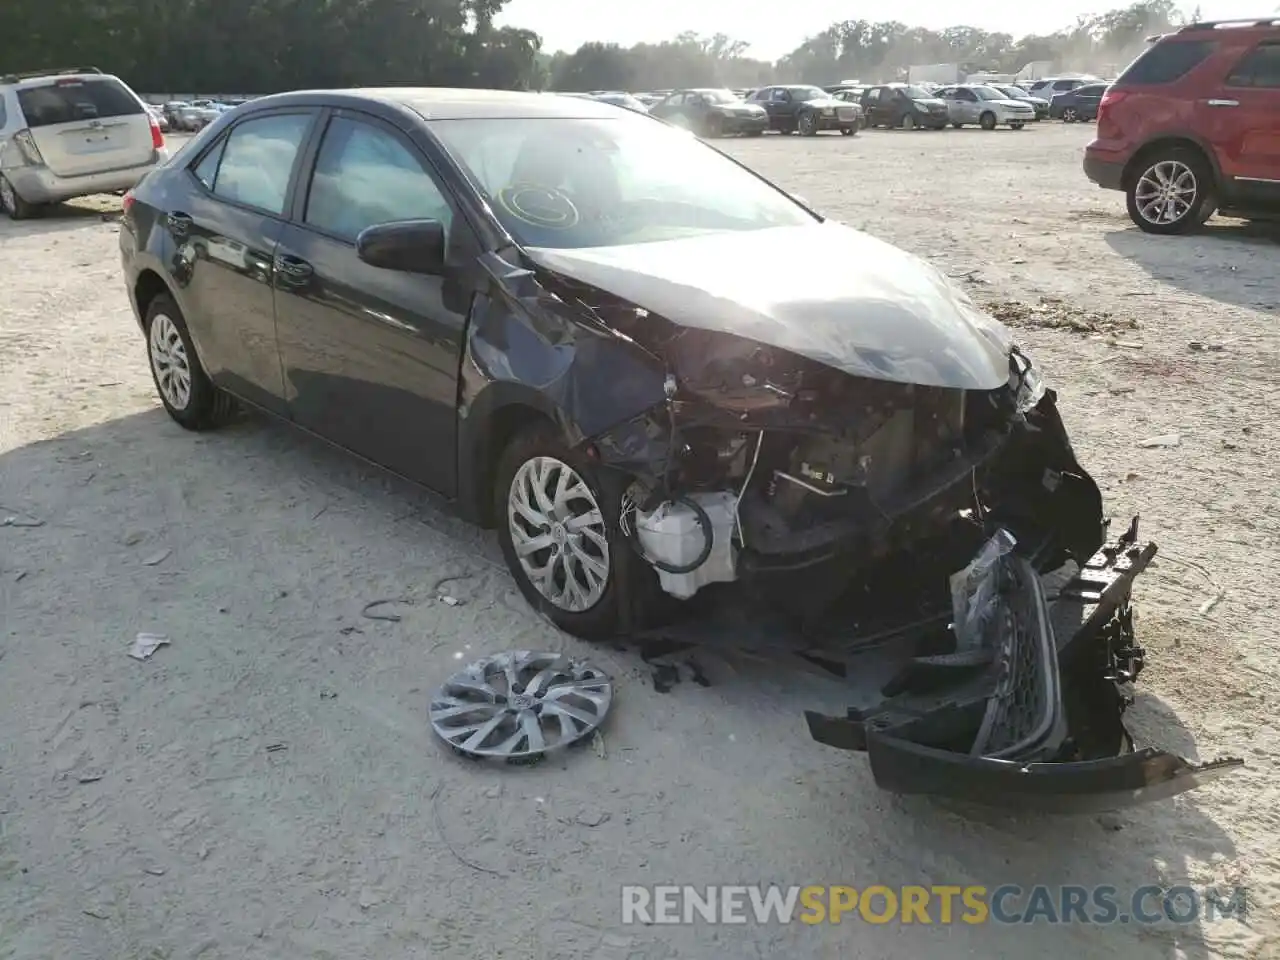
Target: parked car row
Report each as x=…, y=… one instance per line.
x=71, y=133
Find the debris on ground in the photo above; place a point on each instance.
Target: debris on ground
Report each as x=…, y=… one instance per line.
x=16, y=518
x=1052, y=313
x=521, y=705
x=1164, y=440
x=157, y=558
x=370, y=610
x=450, y=600
x=145, y=644
x=1206, y=608
x=1200, y=345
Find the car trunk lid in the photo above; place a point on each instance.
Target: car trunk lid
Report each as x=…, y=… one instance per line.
x=85, y=125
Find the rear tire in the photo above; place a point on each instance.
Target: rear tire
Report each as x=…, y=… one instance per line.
x=987, y=121
x=1016, y=125
x=12, y=203
x=202, y=406
x=848, y=131
x=1070, y=115
x=1171, y=165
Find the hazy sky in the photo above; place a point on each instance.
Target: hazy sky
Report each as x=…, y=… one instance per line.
x=774, y=29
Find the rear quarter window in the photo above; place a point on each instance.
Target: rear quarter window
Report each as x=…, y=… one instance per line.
x=1167, y=61
x=68, y=101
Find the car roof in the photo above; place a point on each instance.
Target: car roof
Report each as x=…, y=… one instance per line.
x=444, y=103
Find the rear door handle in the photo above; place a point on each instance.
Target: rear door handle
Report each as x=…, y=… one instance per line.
x=1223, y=103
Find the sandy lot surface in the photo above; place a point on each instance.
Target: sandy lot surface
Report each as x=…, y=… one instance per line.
x=268, y=786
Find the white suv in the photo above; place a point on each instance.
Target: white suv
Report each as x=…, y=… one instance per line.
x=67, y=134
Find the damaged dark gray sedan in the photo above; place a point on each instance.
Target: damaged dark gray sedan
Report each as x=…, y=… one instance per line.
x=688, y=404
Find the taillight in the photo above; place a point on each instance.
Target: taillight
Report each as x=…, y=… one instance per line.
x=27, y=147
x=1109, y=99
x=126, y=202
x=157, y=135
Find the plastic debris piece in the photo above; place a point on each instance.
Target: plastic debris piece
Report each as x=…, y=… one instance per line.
x=1206, y=608
x=1164, y=440
x=145, y=644
x=973, y=590
x=15, y=518
x=370, y=608
x=157, y=558
x=451, y=601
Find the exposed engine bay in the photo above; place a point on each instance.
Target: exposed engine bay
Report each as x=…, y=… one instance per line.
x=907, y=503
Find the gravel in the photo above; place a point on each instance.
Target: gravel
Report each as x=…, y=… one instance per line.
x=267, y=784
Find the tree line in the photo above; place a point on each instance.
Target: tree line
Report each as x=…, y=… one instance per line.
x=263, y=46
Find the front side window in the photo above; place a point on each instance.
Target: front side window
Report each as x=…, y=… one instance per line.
x=72, y=100
x=573, y=183
x=1260, y=68
x=365, y=176
x=257, y=160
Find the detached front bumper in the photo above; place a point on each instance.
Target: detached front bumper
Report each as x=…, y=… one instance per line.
x=1033, y=720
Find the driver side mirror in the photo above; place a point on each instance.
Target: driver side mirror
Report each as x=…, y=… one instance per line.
x=409, y=246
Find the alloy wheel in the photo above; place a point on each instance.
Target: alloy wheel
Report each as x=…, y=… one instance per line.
x=169, y=362
x=7, y=200
x=559, y=535
x=1166, y=192
x=1069, y=115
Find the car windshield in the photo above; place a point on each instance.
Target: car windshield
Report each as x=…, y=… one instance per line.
x=917, y=93
x=808, y=93
x=988, y=93
x=1015, y=91
x=573, y=183
x=719, y=96
x=65, y=101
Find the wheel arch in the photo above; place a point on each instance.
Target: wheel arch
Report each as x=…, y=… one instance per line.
x=1170, y=141
x=149, y=285
x=499, y=412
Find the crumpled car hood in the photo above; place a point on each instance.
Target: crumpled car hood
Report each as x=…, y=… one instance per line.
x=826, y=292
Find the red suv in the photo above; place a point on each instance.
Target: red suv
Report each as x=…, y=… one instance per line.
x=1193, y=126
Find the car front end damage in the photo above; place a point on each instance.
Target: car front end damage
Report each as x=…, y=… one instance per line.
x=911, y=506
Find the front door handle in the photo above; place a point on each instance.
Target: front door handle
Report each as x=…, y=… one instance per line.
x=1223, y=103
x=293, y=269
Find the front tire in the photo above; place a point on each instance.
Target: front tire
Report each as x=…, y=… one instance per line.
x=186, y=391
x=987, y=121
x=557, y=517
x=808, y=125
x=12, y=203
x=848, y=131
x=1172, y=193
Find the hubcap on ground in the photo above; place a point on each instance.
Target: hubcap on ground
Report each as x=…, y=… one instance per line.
x=559, y=534
x=169, y=362
x=520, y=705
x=1165, y=192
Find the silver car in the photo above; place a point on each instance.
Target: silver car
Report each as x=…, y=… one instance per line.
x=985, y=106
x=71, y=134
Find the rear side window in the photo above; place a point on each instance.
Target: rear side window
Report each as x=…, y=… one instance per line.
x=258, y=160
x=206, y=170
x=1167, y=61
x=68, y=101
x=1259, y=68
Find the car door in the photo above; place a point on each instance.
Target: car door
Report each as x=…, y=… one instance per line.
x=782, y=109
x=669, y=107
x=870, y=100
x=955, y=108
x=1087, y=99
x=224, y=227
x=371, y=356
x=1242, y=120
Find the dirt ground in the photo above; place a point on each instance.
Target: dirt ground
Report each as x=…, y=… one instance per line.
x=268, y=785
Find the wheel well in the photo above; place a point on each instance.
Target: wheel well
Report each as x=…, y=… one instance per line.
x=1160, y=146
x=503, y=426
x=148, y=287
